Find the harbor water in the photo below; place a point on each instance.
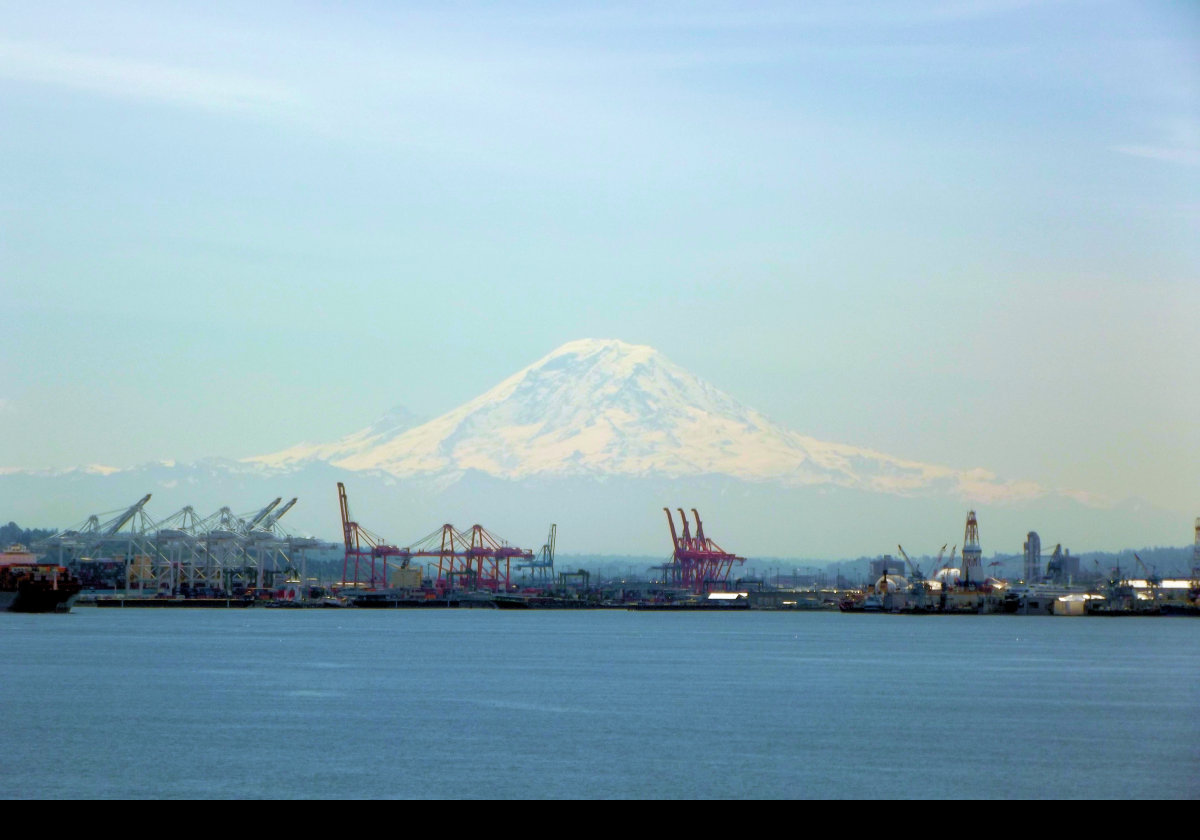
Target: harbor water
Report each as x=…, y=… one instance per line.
x=335, y=704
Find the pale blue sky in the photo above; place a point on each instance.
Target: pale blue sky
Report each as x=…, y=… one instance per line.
x=962, y=232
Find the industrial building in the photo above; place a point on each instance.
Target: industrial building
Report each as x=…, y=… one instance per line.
x=1060, y=568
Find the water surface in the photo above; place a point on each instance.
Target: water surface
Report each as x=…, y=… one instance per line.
x=477, y=703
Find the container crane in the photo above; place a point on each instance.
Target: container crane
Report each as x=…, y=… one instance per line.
x=270, y=521
x=262, y=514
x=697, y=562
x=361, y=543
x=543, y=566
x=688, y=544
x=117, y=523
x=476, y=556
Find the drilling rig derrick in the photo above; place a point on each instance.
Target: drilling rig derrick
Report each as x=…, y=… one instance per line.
x=972, y=553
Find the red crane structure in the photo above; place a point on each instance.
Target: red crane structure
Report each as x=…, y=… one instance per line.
x=361, y=544
x=472, y=559
x=698, y=563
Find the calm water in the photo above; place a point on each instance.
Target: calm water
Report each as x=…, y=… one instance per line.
x=475, y=703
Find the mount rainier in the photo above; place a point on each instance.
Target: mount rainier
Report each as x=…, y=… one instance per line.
x=605, y=408
x=598, y=436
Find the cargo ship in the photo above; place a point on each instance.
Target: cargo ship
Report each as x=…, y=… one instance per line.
x=32, y=587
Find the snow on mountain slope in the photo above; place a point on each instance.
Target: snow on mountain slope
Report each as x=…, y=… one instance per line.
x=606, y=408
x=397, y=421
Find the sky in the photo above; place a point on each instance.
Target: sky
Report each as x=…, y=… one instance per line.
x=965, y=233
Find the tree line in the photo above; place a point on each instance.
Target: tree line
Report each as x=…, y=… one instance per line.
x=12, y=534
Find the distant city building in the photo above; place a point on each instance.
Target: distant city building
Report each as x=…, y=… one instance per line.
x=1071, y=565
x=886, y=564
x=799, y=579
x=1033, y=557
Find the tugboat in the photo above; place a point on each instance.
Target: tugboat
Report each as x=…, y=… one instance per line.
x=32, y=587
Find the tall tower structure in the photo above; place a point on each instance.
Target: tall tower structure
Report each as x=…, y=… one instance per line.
x=1196, y=551
x=972, y=554
x=1033, y=557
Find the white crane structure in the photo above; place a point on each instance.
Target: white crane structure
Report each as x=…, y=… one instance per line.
x=184, y=554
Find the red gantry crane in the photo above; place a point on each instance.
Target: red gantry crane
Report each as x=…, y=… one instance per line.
x=472, y=559
x=361, y=545
x=698, y=563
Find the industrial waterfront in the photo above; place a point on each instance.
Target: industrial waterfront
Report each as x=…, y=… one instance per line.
x=129, y=559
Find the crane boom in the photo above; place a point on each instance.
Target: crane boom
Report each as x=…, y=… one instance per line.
x=916, y=572
x=262, y=514
x=699, y=528
x=118, y=523
x=950, y=563
x=348, y=528
x=671, y=522
x=270, y=521
x=687, y=533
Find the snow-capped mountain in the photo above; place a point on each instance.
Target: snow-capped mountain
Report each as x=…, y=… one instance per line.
x=598, y=437
x=607, y=408
x=397, y=421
